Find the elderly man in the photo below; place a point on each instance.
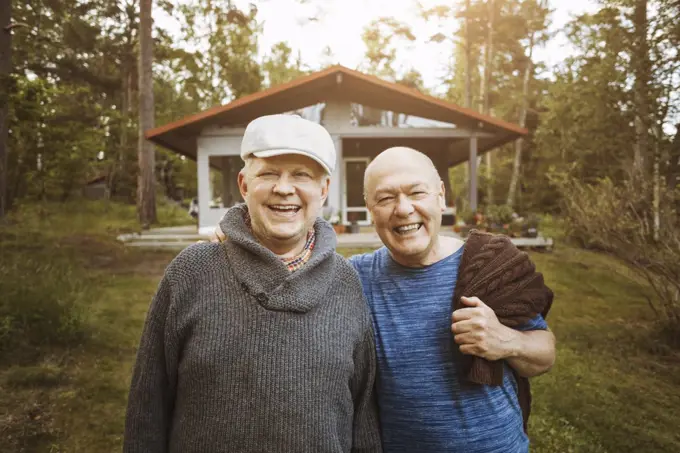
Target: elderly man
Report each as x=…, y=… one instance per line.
x=262, y=342
x=451, y=375
x=452, y=370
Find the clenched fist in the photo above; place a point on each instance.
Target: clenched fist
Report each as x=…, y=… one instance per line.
x=479, y=332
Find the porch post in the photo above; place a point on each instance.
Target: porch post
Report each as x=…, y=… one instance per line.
x=335, y=189
x=473, y=172
x=204, y=190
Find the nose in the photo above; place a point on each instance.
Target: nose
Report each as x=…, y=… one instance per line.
x=283, y=186
x=404, y=206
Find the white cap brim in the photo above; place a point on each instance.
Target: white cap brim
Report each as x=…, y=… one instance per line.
x=279, y=152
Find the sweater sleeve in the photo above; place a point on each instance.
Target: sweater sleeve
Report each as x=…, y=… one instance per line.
x=366, y=433
x=152, y=390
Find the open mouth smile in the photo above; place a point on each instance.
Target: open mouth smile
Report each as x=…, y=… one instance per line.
x=403, y=230
x=284, y=209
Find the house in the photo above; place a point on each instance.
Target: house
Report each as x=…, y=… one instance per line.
x=364, y=115
x=96, y=188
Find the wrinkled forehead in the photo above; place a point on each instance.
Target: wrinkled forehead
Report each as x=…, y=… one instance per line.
x=397, y=180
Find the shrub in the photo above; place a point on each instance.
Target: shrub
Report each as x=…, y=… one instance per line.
x=499, y=214
x=618, y=220
x=39, y=304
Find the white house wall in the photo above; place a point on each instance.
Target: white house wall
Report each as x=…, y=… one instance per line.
x=211, y=146
x=336, y=115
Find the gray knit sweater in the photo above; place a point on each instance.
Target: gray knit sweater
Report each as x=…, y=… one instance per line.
x=240, y=355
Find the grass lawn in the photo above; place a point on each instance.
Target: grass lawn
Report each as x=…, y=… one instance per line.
x=615, y=387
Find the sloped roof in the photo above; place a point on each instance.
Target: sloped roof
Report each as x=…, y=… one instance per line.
x=337, y=83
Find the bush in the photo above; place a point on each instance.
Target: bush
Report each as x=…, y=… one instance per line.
x=40, y=304
x=499, y=214
x=618, y=219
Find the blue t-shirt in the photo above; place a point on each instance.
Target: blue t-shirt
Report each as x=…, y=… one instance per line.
x=424, y=404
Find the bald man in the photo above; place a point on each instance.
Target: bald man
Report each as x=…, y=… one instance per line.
x=427, y=401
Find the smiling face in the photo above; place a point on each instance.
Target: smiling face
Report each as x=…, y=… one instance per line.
x=284, y=195
x=406, y=200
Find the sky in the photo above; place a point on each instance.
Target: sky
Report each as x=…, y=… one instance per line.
x=340, y=24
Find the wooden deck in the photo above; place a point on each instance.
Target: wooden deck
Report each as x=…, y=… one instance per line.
x=178, y=238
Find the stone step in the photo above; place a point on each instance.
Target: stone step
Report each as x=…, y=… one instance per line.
x=179, y=230
x=167, y=237
x=174, y=245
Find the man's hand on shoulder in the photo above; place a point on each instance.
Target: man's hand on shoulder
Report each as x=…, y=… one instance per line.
x=478, y=331
x=217, y=235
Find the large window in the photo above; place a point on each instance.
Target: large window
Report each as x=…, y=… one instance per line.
x=224, y=190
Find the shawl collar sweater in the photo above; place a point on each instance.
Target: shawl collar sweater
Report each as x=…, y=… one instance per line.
x=240, y=355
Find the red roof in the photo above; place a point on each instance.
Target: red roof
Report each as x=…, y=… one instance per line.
x=338, y=83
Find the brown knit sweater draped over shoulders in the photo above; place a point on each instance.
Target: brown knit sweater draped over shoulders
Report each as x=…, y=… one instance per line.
x=505, y=279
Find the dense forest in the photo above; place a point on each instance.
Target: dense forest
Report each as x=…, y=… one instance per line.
x=81, y=80
x=603, y=150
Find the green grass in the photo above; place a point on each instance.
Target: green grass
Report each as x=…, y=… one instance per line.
x=614, y=388
x=69, y=395
x=84, y=217
x=615, y=385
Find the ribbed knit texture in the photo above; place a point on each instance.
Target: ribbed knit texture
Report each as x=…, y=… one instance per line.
x=240, y=355
x=504, y=277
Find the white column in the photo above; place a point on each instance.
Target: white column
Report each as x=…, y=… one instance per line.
x=204, y=195
x=337, y=115
x=335, y=190
x=217, y=147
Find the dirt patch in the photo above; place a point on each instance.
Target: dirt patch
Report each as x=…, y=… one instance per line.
x=29, y=426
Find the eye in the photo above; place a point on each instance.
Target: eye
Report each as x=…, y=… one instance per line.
x=384, y=200
x=302, y=174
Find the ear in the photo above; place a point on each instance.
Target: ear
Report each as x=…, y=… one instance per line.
x=442, y=196
x=324, y=189
x=242, y=184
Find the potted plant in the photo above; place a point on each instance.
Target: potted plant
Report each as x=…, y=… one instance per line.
x=332, y=217
x=499, y=218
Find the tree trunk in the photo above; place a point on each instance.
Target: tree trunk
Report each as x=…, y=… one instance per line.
x=519, y=143
x=128, y=67
x=468, y=58
x=641, y=67
x=146, y=197
x=486, y=106
x=5, y=74
x=468, y=76
x=656, y=181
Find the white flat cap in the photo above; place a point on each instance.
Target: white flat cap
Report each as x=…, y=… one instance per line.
x=273, y=135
